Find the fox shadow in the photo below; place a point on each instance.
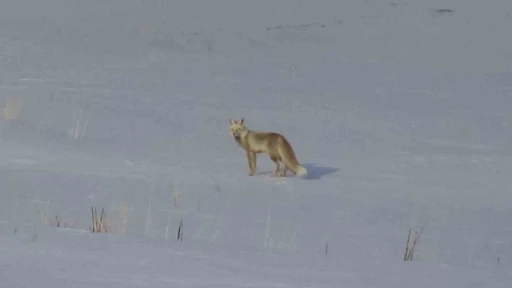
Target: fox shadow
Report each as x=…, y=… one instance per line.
x=316, y=172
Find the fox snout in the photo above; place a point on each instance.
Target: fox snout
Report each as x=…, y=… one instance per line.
x=236, y=133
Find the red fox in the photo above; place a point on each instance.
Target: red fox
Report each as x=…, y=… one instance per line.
x=274, y=144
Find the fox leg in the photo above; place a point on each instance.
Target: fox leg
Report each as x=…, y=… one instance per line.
x=284, y=171
x=276, y=170
x=251, y=158
x=254, y=157
x=276, y=167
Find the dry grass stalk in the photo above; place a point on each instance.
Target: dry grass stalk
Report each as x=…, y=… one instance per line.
x=59, y=223
x=122, y=218
x=408, y=249
x=176, y=198
x=99, y=225
x=412, y=240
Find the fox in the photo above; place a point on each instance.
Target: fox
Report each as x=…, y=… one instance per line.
x=274, y=144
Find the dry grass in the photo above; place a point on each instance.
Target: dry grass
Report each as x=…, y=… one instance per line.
x=410, y=247
x=59, y=222
x=122, y=218
x=99, y=225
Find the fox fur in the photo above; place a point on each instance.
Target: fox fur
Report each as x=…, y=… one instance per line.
x=274, y=144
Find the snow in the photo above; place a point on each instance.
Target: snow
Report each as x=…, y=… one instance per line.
x=400, y=113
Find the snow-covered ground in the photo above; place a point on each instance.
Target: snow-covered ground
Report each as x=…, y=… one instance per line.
x=399, y=110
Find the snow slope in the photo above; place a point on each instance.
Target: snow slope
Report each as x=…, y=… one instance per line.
x=399, y=111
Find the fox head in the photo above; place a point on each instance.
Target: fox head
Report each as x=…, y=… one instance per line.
x=237, y=128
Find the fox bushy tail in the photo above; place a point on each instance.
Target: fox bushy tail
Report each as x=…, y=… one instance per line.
x=290, y=160
x=301, y=171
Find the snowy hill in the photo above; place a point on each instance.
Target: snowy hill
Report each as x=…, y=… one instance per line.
x=399, y=110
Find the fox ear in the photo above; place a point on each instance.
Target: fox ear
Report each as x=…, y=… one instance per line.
x=242, y=121
x=231, y=121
